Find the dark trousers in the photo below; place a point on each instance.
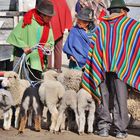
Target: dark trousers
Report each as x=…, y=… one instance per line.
x=114, y=99
x=6, y=65
x=57, y=55
x=35, y=74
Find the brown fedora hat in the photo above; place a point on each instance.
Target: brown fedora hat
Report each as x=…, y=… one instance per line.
x=46, y=7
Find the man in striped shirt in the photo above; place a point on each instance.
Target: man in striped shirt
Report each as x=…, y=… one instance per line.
x=113, y=60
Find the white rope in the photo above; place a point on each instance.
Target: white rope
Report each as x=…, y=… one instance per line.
x=21, y=63
x=47, y=50
x=2, y=78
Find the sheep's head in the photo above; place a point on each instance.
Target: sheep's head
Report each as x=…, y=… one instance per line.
x=2, y=96
x=71, y=79
x=5, y=98
x=50, y=75
x=10, y=78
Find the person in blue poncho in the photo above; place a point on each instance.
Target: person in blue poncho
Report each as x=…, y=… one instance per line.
x=78, y=43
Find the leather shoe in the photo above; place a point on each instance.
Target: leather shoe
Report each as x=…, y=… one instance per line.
x=121, y=135
x=103, y=132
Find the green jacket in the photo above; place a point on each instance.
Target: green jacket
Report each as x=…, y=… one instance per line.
x=29, y=36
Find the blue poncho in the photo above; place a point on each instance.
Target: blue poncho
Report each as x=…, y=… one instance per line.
x=77, y=45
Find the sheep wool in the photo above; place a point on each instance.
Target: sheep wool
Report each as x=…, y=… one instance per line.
x=71, y=79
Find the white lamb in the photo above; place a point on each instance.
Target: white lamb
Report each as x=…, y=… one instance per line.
x=85, y=103
x=68, y=100
x=16, y=86
x=6, y=102
x=51, y=92
x=71, y=79
x=134, y=104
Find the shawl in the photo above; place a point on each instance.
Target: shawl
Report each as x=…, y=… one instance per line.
x=77, y=45
x=62, y=19
x=116, y=49
x=27, y=20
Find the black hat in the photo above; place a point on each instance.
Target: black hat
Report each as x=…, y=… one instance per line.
x=118, y=4
x=46, y=7
x=86, y=14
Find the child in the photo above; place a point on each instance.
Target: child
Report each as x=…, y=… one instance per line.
x=77, y=44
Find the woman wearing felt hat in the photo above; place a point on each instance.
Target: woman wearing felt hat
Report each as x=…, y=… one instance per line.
x=77, y=44
x=33, y=29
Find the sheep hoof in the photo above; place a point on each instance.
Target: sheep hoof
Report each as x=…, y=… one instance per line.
x=52, y=131
x=37, y=130
x=81, y=133
x=6, y=128
x=63, y=131
x=56, y=132
x=20, y=132
x=89, y=133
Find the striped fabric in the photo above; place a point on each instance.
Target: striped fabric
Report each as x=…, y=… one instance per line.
x=116, y=49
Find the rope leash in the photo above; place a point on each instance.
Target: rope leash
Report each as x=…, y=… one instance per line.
x=22, y=63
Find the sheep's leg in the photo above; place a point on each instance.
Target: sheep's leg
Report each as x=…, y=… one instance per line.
x=54, y=115
x=91, y=120
x=38, y=111
x=76, y=118
x=44, y=115
x=22, y=123
x=81, y=121
x=7, y=119
x=23, y=114
x=59, y=120
x=30, y=115
x=48, y=120
x=38, y=123
x=17, y=117
x=62, y=127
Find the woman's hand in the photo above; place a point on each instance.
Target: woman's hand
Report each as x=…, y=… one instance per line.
x=83, y=68
x=73, y=59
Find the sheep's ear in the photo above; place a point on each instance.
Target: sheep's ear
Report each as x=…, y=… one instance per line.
x=55, y=76
x=3, y=97
x=15, y=76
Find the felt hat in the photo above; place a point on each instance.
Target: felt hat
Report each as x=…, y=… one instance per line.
x=118, y=4
x=86, y=14
x=46, y=7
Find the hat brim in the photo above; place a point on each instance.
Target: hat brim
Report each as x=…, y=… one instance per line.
x=125, y=8
x=78, y=17
x=47, y=14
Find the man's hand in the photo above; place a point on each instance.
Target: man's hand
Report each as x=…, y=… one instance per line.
x=27, y=50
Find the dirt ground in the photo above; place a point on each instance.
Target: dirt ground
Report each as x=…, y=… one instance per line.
x=134, y=134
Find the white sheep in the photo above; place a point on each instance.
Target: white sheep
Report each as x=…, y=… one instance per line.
x=6, y=102
x=69, y=100
x=134, y=104
x=71, y=79
x=30, y=106
x=51, y=92
x=16, y=86
x=85, y=103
